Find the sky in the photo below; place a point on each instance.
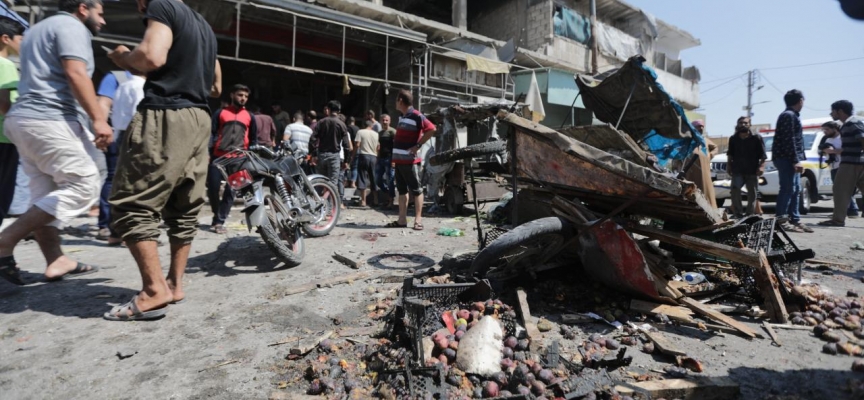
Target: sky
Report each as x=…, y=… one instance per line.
x=767, y=35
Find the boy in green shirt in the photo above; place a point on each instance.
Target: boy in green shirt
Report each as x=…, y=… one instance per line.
x=11, y=33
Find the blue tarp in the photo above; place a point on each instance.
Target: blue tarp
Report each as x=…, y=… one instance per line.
x=570, y=24
x=667, y=149
x=6, y=12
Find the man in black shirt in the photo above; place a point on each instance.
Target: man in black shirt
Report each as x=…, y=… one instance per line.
x=329, y=138
x=746, y=163
x=162, y=169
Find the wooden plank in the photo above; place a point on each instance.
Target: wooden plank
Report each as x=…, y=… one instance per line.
x=345, y=260
x=358, y=331
x=307, y=345
x=527, y=319
x=674, y=313
x=769, y=287
x=716, y=316
x=791, y=327
x=573, y=319
x=743, y=256
x=824, y=262
x=709, y=227
x=332, y=281
x=663, y=344
x=771, y=332
x=700, y=387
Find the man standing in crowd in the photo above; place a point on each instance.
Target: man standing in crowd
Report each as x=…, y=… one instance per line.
x=384, y=168
x=352, y=172
x=266, y=127
x=832, y=145
x=412, y=132
x=787, y=153
x=298, y=134
x=313, y=119
x=107, y=88
x=366, y=156
x=11, y=34
x=850, y=174
x=234, y=128
x=162, y=168
x=281, y=118
x=746, y=163
x=328, y=139
x=56, y=150
x=370, y=116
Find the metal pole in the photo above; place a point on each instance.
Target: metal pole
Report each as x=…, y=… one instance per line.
x=632, y=89
x=343, y=49
x=594, y=51
x=237, y=34
x=470, y=163
x=514, y=212
x=294, y=42
x=387, y=58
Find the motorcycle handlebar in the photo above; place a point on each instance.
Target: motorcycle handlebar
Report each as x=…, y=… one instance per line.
x=259, y=149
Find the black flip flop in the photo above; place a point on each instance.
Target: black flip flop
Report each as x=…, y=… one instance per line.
x=9, y=271
x=395, y=224
x=80, y=270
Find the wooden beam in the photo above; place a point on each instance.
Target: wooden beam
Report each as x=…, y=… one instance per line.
x=332, y=281
x=703, y=310
x=769, y=287
x=743, y=256
x=771, y=332
x=709, y=227
x=527, y=319
x=307, y=345
x=674, y=313
x=345, y=260
x=824, y=262
x=702, y=388
x=663, y=344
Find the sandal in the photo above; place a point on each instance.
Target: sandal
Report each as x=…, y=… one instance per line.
x=792, y=228
x=80, y=270
x=418, y=226
x=9, y=271
x=832, y=222
x=395, y=224
x=121, y=312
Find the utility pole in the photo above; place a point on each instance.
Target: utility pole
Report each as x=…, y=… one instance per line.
x=750, y=84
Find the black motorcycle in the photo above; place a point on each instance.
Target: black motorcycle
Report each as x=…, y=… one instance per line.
x=295, y=203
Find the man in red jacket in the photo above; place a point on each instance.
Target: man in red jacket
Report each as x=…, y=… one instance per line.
x=234, y=127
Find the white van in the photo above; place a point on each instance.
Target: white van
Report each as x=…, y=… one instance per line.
x=816, y=181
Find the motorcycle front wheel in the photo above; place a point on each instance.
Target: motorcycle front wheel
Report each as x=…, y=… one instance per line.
x=283, y=240
x=327, y=216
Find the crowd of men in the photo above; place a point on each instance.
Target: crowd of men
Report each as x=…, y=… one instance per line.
x=142, y=144
x=843, y=142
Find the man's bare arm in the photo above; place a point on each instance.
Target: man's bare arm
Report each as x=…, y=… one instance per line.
x=151, y=54
x=105, y=103
x=85, y=93
x=216, y=90
x=5, y=101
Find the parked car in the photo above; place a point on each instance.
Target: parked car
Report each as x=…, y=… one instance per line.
x=816, y=183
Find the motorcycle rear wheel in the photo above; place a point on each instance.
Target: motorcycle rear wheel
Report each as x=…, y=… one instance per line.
x=284, y=241
x=328, y=216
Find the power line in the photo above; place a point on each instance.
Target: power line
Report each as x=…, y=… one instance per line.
x=722, y=98
x=812, y=64
x=784, y=67
x=782, y=92
x=722, y=84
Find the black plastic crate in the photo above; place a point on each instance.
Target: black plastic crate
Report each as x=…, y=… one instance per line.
x=417, y=383
x=424, y=305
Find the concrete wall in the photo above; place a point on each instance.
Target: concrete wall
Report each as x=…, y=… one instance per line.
x=500, y=20
x=539, y=27
x=572, y=53
x=683, y=90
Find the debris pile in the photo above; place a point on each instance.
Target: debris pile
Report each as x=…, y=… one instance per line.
x=835, y=320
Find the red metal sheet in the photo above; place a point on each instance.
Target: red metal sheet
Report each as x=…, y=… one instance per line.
x=610, y=256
